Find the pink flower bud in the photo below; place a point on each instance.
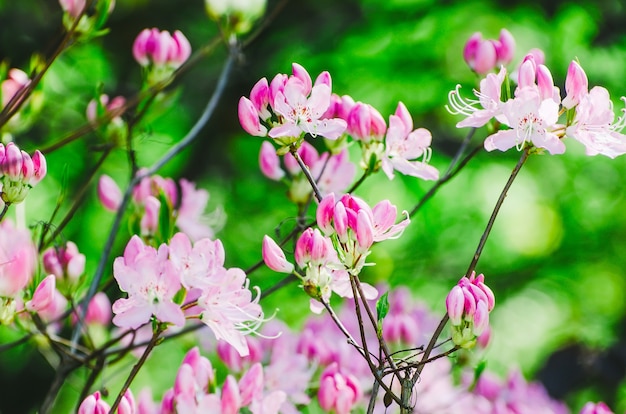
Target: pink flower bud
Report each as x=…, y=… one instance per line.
x=546, y=83
x=325, y=213
x=28, y=168
x=269, y=162
x=185, y=385
x=251, y=384
x=150, y=220
x=324, y=78
x=340, y=221
x=43, y=297
x=201, y=366
x=72, y=7
x=576, y=85
x=41, y=168
x=180, y=49
x=260, y=97
x=455, y=304
x=364, y=231
x=403, y=113
x=274, y=257
x=16, y=80
x=527, y=73
x=599, y=408
x=109, y=193
x=506, y=48
x=471, y=46
x=481, y=318
x=231, y=399
x=277, y=85
x=344, y=108
x=485, y=58
x=12, y=163
x=249, y=118
x=51, y=263
x=127, y=403
x=93, y=404
x=99, y=310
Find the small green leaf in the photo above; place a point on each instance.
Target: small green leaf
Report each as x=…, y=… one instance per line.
x=478, y=371
x=382, y=307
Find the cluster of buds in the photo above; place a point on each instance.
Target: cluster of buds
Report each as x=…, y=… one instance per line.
x=114, y=129
x=161, y=53
x=94, y=404
x=19, y=172
x=236, y=16
x=596, y=408
x=484, y=55
x=533, y=109
x=64, y=262
x=468, y=305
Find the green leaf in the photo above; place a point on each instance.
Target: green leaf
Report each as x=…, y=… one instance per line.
x=382, y=307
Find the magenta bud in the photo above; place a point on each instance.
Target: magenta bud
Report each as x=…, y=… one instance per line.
x=599, y=408
x=251, y=384
x=127, y=403
x=527, y=73
x=359, y=121
x=576, y=85
x=325, y=213
x=180, y=49
x=274, y=257
x=140, y=52
x=41, y=168
x=364, y=231
x=185, y=385
x=28, y=168
x=94, y=404
x=249, y=118
x=260, y=97
x=324, y=78
x=506, y=47
x=109, y=193
x=43, y=297
x=545, y=82
x=340, y=221
x=150, y=220
x=471, y=46
x=485, y=59
x=455, y=303
x=269, y=162
x=481, y=318
x=12, y=163
x=344, y=108
x=99, y=310
x=231, y=398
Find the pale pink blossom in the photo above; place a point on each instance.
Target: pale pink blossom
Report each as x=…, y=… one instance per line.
x=196, y=265
x=64, y=261
x=151, y=282
x=593, y=125
x=18, y=259
x=190, y=214
x=43, y=296
x=403, y=146
x=338, y=392
x=99, y=310
x=531, y=120
x=479, y=111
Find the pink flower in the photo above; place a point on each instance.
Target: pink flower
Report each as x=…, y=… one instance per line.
x=151, y=282
x=190, y=215
x=365, y=123
x=403, y=144
x=531, y=120
x=96, y=109
x=249, y=118
x=16, y=80
x=18, y=258
x=593, y=408
x=593, y=125
x=99, y=310
x=228, y=308
x=488, y=99
x=196, y=265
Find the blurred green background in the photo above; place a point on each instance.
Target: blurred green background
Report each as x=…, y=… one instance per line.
x=557, y=254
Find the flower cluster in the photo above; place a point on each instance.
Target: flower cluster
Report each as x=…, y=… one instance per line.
x=156, y=198
x=152, y=278
x=350, y=228
x=468, y=305
x=533, y=110
x=19, y=172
